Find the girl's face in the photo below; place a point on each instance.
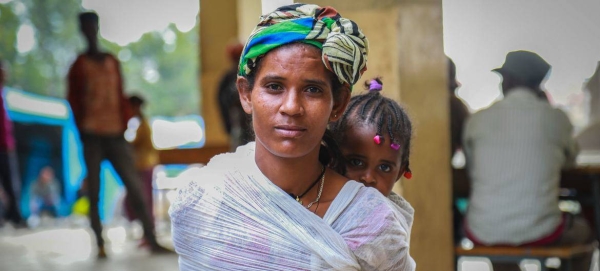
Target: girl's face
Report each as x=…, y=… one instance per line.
x=377, y=166
x=291, y=101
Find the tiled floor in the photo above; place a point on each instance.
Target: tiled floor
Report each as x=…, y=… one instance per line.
x=66, y=246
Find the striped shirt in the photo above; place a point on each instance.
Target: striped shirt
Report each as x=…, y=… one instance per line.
x=515, y=150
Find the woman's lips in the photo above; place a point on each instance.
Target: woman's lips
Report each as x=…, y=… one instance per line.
x=290, y=130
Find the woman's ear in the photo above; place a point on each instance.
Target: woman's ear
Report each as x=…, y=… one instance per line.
x=340, y=104
x=245, y=92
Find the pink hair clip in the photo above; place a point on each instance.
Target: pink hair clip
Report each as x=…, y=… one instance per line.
x=395, y=146
x=375, y=86
x=378, y=139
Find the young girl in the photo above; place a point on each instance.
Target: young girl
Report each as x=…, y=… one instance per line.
x=374, y=135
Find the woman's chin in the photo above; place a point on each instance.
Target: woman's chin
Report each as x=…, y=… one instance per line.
x=288, y=149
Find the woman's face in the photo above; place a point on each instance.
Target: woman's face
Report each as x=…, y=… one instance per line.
x=291, y=101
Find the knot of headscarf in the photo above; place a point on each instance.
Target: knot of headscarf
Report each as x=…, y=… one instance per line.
x=344, y=46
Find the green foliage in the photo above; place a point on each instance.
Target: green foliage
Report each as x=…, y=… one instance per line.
x=8, y=33
x=175, y=92
x=161, y=66
x=43, y=69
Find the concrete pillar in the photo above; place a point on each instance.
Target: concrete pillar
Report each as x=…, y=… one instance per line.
x=216, y=32
x=248, y=13
x=406, y=43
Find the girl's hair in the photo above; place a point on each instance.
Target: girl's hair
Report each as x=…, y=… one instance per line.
x=330, y=153
x=385, y=114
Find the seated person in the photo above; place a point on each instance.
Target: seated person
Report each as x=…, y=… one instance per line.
x=515, y=151
x=459, y=111
x=45, y=193
x=589, y=138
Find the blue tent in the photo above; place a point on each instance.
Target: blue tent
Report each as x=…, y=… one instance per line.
x=47, y=136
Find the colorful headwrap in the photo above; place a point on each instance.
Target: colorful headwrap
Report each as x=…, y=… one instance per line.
x=344, y=46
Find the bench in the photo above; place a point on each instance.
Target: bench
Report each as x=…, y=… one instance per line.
x=506, y=254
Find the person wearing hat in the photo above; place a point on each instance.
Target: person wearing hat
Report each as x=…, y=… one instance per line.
x=515, y=151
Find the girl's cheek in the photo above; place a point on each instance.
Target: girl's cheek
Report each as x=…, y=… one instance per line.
x=352, y=174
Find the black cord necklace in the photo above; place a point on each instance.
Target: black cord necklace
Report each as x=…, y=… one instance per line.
x=297, y=198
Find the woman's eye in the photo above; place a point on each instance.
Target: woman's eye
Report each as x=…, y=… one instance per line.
x=385, y=168
x=355, y=162
x=313, y=90
x=273, y=87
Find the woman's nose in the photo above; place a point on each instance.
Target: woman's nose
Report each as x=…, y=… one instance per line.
x=291, y=104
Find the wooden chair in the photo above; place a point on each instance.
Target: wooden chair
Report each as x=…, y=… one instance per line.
x=502, y=254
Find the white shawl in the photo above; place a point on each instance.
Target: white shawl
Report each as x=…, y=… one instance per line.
x=233, y=218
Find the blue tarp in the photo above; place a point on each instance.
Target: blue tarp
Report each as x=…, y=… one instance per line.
x=31, y=109
x=47, y=124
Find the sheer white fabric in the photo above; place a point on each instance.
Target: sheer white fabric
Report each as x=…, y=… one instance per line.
x=233, y=218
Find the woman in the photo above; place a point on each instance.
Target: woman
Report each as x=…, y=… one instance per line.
x=274, y=204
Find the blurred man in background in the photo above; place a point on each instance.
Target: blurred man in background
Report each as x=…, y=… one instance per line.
x=515, y=151
x=101, y=111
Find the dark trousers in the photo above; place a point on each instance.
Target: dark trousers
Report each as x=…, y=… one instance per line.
x=119, y=152
x=9, y=175
x=146, y=177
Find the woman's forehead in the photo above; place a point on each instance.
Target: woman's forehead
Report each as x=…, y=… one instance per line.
x=294, y=60
x=292, y=53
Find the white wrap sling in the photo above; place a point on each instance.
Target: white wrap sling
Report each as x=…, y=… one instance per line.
x=234, y=218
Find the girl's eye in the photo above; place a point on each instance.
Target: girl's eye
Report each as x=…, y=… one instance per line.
x=385, y=168
x=355, y=162
x=313, y=90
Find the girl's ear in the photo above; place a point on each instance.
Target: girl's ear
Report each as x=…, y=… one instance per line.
x=340, y=104
x=404, y=172
x=243, y=87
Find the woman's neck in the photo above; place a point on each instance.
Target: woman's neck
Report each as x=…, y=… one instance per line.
x=292, y=175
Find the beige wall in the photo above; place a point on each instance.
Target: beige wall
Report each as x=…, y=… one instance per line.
x=248, y=13
x=406, y=49
x=423, y=71
x=215, y=34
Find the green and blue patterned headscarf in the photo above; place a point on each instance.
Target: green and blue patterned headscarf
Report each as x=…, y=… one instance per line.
x=344, y=46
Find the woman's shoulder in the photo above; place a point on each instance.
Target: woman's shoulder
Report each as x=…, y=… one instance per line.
x=369, y=206
x=403, y=206
x=191, y=192
x=377, y=230
x=393, y=207
x=243, y=155
x=208, y=181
